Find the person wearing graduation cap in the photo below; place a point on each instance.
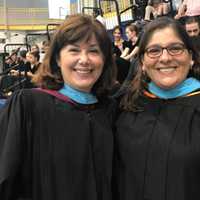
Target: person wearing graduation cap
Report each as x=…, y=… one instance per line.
x=56, y=141
x=158, y=131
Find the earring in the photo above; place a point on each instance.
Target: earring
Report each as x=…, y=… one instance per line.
x=143, y=69
x=191, y=64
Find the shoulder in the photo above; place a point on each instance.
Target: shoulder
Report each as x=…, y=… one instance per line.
x=33, y=93
x=29, y=97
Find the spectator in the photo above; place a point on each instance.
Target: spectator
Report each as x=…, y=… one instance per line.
x=44, y=49
x=132, y=35
x=120, y=46
x=98, y=14
x=188, y=8
x=33, y=57
x=21, y=64
x=35, y=47
x=14, y=57
x=8, y=62
x=192, y=26
x=157, y=8
x=120, y=49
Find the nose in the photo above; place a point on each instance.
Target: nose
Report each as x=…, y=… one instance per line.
x=192, y=34
x=84, y=58
x=165, y=56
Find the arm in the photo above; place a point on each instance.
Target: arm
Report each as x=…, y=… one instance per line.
x=125, y=52
x=11, y=145
x=132, y=54
x=182, y=9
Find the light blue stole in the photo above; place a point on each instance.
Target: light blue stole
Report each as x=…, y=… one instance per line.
x=77, y=95
x=187, y=86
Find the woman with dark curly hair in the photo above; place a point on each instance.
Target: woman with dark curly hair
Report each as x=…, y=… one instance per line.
x=157, y=138
x=56, y=140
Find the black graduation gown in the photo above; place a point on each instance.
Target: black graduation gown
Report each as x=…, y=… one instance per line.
x=158, y=151
x=53, y=150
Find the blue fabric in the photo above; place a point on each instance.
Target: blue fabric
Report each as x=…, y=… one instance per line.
x=77, y=95
x=2, y=102
x=187, y=86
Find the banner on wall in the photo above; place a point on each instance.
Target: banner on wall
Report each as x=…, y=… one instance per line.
x=58, y=9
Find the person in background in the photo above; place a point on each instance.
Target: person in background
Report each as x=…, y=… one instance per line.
x=193, y=29
x=192, y=26
x=120, y=46
x=22, y=63
x=14, y=57
x=19, y=73
x=56, y=140
x=33, y=57
x=157, y=8
x=132, y=35
x=98, y=14
x=35, y=48
x=44, y=49
x=188, y=8
x=8, y=62
x=12, y=78
x=157, y=132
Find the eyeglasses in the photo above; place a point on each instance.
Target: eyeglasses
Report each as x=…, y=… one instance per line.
x=173, y=49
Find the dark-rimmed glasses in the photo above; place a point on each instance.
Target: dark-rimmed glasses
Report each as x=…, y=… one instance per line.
x=156, y=51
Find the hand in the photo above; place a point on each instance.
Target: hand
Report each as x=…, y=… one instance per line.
x=14, y=72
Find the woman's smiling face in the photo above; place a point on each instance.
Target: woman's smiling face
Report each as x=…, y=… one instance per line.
x=81, y=64
x=166, y=70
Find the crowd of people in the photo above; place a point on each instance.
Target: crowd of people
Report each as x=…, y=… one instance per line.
x=20, y=67
x=72, y=135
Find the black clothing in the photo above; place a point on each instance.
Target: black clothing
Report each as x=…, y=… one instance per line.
x=13, y=83
x=132, y=71
x=140, y=9
x=51, y=149
x=116, y=51
x=152, y=2
x=23, y=66
x=132, y=46
x=122, y=69
x=34, y=68
x=196, y=42
x=158, y=151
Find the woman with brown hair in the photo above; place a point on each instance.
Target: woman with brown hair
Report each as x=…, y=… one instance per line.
x=157, y=138
x=56, y=141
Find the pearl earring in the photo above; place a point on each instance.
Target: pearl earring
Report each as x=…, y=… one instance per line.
x=191, y=64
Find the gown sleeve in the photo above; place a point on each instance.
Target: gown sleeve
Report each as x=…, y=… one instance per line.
x=11, y=145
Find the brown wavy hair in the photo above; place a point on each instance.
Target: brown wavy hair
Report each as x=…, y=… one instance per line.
x=77, y=28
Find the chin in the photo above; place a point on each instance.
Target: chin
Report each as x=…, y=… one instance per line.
x=168, y=87
x=168, y=84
